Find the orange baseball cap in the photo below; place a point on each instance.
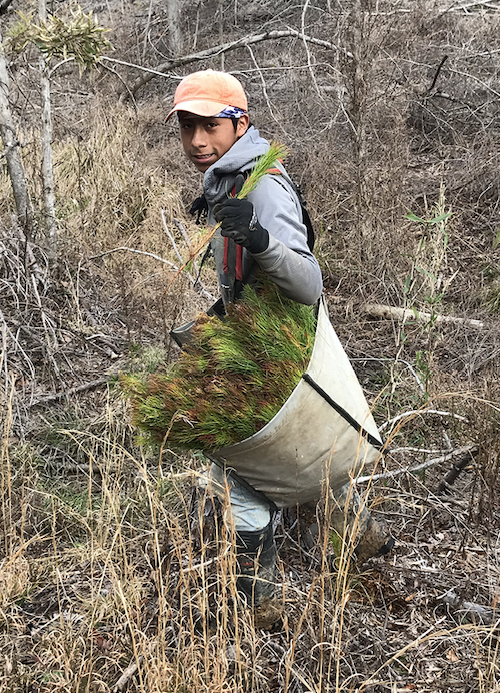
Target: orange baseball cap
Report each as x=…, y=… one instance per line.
x=207, y=93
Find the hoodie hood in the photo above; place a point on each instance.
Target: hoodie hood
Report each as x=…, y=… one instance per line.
x=219, y=178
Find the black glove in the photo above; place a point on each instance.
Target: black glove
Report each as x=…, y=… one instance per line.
x=239, y=222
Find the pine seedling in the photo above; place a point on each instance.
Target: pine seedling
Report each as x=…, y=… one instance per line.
x=233, y=379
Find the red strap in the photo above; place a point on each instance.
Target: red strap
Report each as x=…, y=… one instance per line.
x=239, y=263
x=239, y=260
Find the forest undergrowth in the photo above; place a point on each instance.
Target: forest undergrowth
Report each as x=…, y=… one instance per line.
x=114, y=574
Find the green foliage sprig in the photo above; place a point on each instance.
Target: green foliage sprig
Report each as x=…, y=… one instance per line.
x=79, y=37
x=276, y=152
x=233, y=379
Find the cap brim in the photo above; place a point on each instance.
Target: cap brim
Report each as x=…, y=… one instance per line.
x=207, y=109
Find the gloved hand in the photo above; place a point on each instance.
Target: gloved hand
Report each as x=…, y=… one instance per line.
x=239, y=222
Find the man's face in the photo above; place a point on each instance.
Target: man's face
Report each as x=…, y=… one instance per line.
x=205, y=140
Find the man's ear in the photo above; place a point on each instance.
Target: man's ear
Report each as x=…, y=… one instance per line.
x=243, y=123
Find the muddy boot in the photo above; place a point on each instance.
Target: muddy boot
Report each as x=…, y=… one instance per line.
x=376, y=541
x=368, y=531
x=257, y=574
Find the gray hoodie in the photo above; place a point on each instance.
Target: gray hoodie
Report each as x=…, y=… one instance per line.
x=287, y=260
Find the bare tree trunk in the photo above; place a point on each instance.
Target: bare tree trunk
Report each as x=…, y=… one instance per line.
x=47, y=168
x=11, y=152
x=359, y=115
x=174, y=26
x=220, y=12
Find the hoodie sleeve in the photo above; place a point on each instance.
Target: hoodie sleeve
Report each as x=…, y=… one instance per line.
x=287, y=260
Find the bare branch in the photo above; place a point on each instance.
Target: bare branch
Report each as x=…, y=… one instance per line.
x=455, y=470
x=420, y=412
x=172, y=239
x=436, y=75
x=124, y=679
x=185, y=236
x=467, y=450
x=308, y=52
x=196, y=284
x=149, y=70
x=134, y=250
x=224, y=48
x=264, y=90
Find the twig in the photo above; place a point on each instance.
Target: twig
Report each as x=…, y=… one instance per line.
x=308, y=52
x=192, y=255
x=439, y=67
x=203, y=292
x=5, y=332
x=134, y=250
x=477, y=3
x=469, y=450
x=69, y=393
x=117, y=74
x=285, y=659
x=193, y=252
x=172, y=239
x=418, y=412
x=476, y=79
x=395, y=361
x=264, y=90
x=186, y=238
x=182, y=231
x=142, y=68
x=391, y=312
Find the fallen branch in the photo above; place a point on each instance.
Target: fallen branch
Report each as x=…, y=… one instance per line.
x=378, y=310
x=467, y=450
x=221, y=49
x=485, y=614
x=124, y=679
x=455, y=470
x=69, y=393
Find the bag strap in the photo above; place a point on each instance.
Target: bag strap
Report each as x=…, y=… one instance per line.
x=377, y=444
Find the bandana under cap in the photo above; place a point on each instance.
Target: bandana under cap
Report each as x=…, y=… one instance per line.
x=230, y=112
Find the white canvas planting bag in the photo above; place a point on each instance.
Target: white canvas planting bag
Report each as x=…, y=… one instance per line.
x=323, y=432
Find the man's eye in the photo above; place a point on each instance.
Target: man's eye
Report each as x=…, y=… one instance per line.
x=212, y=125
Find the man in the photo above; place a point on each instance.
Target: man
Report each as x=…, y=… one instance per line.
x=269, y=234
x=266, y=231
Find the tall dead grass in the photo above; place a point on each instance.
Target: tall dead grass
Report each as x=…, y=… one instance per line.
x=114, y=580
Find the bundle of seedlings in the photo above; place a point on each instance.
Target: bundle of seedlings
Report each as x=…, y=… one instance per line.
x=234, y=376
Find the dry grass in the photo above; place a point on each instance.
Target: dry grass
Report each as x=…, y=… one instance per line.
x=107, y=569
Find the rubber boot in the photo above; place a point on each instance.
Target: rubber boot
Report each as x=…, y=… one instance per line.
x=256, y=556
